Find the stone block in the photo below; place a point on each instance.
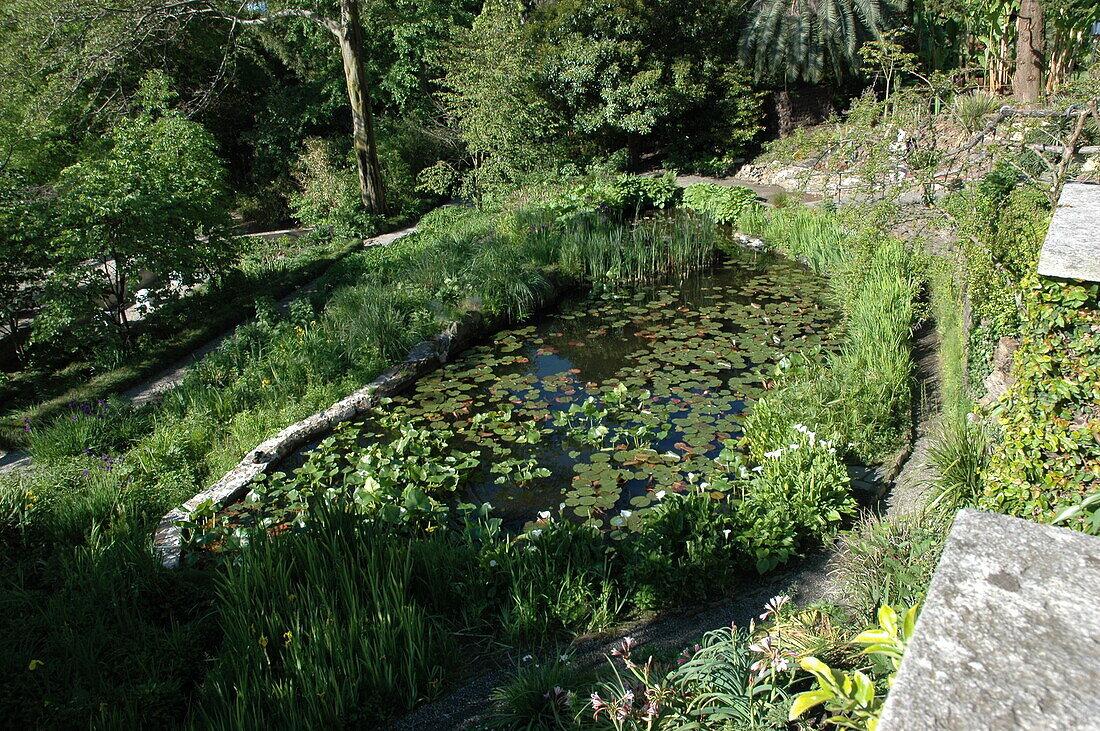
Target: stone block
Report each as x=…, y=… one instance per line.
x=1009, y=637
x=1072, y=246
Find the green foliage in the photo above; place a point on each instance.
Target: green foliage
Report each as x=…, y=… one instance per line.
x=1002, y=224
x=330, y=192
x=890, y=561
x=959, y=455
x=537, y=696
x=805, y=41
x=868, y=380
x=1044, y=451
x=328, y=627
x=851, y=696
x=155, y=201
x=720, y=203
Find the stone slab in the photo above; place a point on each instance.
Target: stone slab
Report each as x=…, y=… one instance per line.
x=1009, y=637
x=1072, y=246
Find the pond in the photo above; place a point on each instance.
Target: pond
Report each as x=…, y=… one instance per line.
x=594, y=411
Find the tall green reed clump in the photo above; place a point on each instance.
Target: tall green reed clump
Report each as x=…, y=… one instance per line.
x=325, y=629
x=601, y=250
x=860, y=394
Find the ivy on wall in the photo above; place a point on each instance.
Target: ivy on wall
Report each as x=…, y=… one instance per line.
x=1049, y=451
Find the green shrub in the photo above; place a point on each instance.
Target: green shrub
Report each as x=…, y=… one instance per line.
x=1045, y=453
x=539, y=695
x=686, y=547
x=719, y=203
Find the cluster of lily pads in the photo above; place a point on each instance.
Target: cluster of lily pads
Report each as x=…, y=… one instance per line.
x=595, y=412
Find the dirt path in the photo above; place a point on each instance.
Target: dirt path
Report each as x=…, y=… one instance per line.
x=152, y=389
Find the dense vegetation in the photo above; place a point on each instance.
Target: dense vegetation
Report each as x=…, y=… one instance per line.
x=536, y=145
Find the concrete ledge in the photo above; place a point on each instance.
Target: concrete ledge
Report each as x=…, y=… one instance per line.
x=1009, y=637
x=1071, y=249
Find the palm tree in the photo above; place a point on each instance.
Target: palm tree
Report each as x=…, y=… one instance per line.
x=790, y=41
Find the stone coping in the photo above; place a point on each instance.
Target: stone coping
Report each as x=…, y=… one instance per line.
x=1009, y=637
x=1071, y=249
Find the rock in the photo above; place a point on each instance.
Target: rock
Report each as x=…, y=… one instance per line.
x=1001, y=378
x=1009, y=637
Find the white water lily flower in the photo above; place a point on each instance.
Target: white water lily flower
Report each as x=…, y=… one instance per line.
x=660, y=494
x=626, y=513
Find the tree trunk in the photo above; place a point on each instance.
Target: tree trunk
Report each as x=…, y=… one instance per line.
x=362, y=120
x=1028, y=82
x=784, y=112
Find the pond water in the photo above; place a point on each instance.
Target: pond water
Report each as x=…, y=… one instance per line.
x=596, y=410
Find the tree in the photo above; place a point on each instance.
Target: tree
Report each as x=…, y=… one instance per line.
x=154, y=201
x=790, y=41
x=1028, y=80
x=81, y=41
x=23, y=223
x=490, y=95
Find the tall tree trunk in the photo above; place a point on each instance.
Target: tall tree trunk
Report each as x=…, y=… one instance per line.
x=362, y=119
x=1028, y=82
x=784, y=112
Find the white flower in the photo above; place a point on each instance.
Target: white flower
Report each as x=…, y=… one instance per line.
x=800, y=427
x=660, y=494
x=758, y=468
x=704, y=485
x=773, y=455
x=528, y=658
x=493, y=562
x=535, y=533
x=795, y=446
x=625, y=513
x=726, y=532
x=544, y=515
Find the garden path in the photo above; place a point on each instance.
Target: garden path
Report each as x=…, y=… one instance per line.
x=152, y=389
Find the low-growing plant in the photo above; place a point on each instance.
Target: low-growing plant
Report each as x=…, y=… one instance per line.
x=889, y=561
x=958, y=454
x=852, y=697
x=719, y=203
x=539, y=695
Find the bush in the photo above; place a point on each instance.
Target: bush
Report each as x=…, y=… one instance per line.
x=719, y=203
x=1045, y=453
x=538, y=696
x=686, y=548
